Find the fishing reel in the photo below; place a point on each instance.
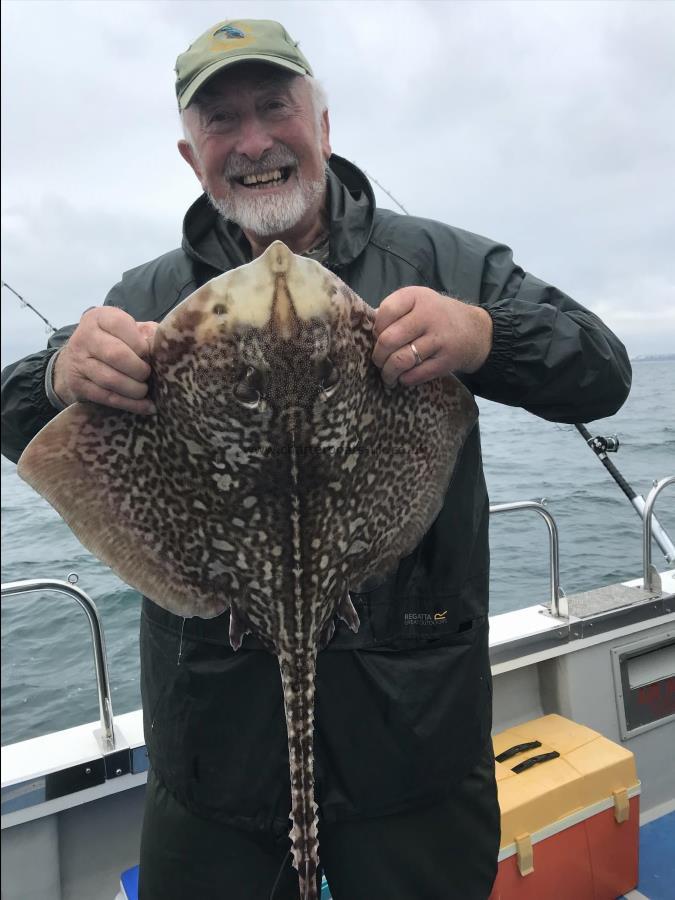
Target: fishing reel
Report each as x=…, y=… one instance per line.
x=601, y=444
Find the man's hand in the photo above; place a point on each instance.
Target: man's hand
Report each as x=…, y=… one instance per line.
x=104, y=361
x=449, y=336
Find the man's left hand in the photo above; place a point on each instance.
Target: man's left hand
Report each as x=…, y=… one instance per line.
x=448, y=335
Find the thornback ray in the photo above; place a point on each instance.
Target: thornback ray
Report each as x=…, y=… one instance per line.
x=278, y=474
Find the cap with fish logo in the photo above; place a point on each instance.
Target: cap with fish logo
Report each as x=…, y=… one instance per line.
x=235, y=41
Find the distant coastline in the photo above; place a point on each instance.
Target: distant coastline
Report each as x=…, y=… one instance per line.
x=653, y=357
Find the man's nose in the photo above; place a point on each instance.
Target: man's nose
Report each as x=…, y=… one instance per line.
x=253, y=139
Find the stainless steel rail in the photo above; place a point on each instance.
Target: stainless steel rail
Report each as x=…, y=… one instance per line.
x=652, y=581
x=559, y=607
x=30, y=586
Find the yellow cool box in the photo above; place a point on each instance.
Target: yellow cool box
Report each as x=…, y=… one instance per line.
x=569, y=801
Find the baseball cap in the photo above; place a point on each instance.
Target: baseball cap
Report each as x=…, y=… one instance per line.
x=235, y=41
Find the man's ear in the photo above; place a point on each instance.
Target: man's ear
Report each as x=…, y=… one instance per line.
x=190, y=157
x=325, y=135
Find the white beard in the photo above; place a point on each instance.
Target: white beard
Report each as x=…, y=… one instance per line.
x=270, y=215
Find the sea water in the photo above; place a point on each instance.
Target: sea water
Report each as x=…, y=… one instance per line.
x=48, y=679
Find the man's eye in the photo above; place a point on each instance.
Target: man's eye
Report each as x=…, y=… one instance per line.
x=220, y=118
x=275, y=105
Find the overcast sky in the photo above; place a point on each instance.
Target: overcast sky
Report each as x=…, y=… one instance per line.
x=548, y=126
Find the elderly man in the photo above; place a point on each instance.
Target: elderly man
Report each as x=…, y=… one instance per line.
x=404, y=766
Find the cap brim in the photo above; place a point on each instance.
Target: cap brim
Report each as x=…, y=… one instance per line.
x=205, y=75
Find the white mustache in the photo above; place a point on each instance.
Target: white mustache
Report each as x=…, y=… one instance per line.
x=237, y=165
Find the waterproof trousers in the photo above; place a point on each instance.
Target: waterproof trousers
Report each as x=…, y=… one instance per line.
x=447, y=851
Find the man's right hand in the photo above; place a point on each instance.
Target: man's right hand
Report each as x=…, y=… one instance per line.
x=105, y=361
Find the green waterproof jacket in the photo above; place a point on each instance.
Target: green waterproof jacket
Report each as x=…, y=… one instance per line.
x=404, y=706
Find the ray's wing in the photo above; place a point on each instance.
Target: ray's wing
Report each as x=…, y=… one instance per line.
x=106, y=473
x=406, y=443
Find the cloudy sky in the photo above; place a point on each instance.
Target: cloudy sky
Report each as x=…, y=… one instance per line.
x=548, y=126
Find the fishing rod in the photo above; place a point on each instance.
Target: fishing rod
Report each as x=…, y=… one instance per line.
x=50, y=328
x=601, y=446
x=388, y=193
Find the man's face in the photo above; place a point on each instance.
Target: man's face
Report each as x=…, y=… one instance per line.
x=257, y=148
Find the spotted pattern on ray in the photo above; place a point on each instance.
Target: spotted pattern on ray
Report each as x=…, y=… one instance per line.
x=278, y=474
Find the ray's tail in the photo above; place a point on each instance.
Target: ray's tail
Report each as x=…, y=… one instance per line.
x=297, y=677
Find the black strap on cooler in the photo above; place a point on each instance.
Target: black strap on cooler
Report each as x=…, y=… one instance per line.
x=516, y=749
x=534, y=761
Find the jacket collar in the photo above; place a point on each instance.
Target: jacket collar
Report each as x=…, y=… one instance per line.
x=213, y=241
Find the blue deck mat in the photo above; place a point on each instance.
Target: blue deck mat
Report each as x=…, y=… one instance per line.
x=129, y=882
x=657, y=859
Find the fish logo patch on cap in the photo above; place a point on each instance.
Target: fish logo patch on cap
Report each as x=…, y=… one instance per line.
x=229, y=31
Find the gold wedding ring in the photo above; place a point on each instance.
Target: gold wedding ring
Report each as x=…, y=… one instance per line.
x=418, y=358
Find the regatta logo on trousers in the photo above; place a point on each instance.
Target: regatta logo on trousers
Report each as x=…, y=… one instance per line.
x=438, y=618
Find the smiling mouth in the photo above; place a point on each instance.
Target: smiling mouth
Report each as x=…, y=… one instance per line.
x=272, y=178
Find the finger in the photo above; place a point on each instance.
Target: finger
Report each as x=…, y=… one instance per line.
x=398, y=335
x=121, y=325
x=404, y=360
x=393, y=307
x=113, y=380
x=118, y=355
x=148, y=330
x=430, y=369
x=97, y=394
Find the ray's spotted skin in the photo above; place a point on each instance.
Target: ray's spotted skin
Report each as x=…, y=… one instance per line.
x=278, y=474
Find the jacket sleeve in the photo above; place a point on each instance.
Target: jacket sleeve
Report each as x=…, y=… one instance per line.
x=25, y=405
x=550, y=355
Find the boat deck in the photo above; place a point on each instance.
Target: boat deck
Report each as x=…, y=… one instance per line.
x=657, y=861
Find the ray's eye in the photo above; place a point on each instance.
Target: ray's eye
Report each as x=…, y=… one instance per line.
x=329, y=377
x=248, y=389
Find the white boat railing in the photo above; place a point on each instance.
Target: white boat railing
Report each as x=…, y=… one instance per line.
x=652, y=581
x=106, y=738
x=559, y=607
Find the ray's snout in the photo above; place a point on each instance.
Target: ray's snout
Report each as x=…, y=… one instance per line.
x=278, y=257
